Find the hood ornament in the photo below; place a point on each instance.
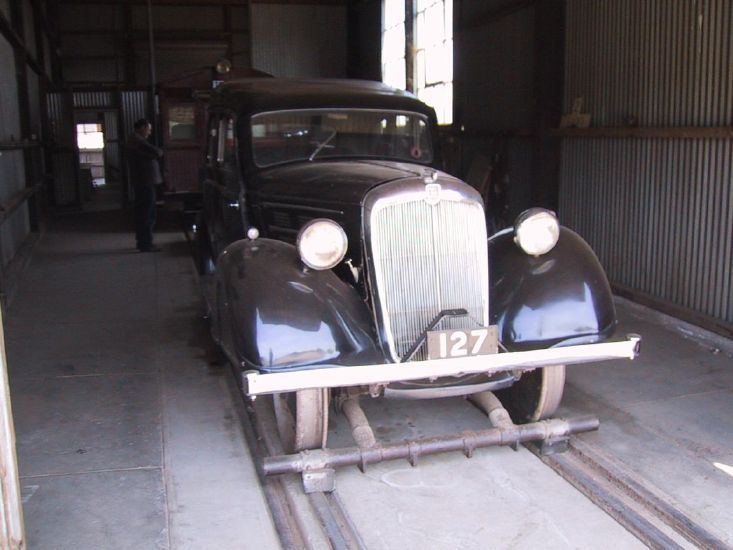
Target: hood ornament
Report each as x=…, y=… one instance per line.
x=430, y=176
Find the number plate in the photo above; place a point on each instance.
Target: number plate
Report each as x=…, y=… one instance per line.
x=443, y=344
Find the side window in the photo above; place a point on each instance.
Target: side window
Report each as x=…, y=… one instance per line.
x=181, y=122
x=212, y=140
x=227, y=150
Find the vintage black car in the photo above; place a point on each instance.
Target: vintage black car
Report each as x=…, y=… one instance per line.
x=343, y=261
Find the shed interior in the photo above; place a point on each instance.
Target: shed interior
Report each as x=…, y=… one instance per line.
x=617, y=114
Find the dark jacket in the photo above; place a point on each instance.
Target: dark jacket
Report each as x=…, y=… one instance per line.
x=142, y=161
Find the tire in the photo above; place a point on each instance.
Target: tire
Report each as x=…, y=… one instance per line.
x=302, y=419
x=535, y=396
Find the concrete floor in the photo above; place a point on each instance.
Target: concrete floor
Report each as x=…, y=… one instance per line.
x=666, y=418
x=126, y=435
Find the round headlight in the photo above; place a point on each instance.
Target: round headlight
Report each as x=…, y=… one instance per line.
x=322, y=244
x=536, y=231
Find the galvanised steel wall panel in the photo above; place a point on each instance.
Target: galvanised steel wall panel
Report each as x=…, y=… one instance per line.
x=12, y=167
x=63, y=136
x=651, y=62
x=658, y=212
x=134, y=107
x=112, y=146
x=92, y=100
x=299, y=40
x=497, y=72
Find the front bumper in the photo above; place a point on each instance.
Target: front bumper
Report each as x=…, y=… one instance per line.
x=256, y=383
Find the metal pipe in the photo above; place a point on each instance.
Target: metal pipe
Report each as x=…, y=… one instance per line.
x=151, y=51
x=411, y=450
x=360, y=428
x=490, y=404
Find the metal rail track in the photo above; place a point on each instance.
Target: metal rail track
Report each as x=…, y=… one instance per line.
x=320, y=521
x=641, y=509
x=313, y=521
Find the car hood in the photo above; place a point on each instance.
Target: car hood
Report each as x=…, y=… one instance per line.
x=329, y=184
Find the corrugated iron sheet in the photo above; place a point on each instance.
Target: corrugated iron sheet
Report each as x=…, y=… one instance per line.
x=92, y=100
x=658, y=212
x=310, y=40
x=659, y=215
x=63, y=135
x=134, y=107
x=651, y=62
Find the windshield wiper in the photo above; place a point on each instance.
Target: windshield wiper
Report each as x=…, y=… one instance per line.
x=322, y=145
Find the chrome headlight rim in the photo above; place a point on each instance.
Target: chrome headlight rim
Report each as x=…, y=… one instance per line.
x=312, y=252
x=536, y=231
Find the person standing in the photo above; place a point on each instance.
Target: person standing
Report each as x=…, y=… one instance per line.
x=144, y=170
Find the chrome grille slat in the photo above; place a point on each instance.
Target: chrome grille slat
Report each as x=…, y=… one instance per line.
x=427, y=259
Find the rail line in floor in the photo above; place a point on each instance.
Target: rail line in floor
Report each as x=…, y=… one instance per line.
x=634, y=504
x=320, y=520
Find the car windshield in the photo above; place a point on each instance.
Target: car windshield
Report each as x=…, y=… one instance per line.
x=307, y=135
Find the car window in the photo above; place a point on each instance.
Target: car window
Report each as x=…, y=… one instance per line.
x=181, y=122
x=212, y=140
x=287, y=136
x=227, y=152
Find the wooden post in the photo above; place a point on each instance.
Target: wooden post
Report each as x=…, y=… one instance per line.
x=12, y=530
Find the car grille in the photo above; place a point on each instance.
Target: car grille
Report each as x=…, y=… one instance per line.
x=427, y=259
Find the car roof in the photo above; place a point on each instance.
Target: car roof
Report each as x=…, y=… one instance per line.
x=252, y=95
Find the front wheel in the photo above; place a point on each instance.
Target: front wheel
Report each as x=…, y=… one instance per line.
x=535, y=396
x=302, y=419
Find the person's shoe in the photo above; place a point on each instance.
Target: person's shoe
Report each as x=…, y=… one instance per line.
x=150, y=249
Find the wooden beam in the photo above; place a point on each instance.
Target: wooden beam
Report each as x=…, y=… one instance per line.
x=217, y=3
x=694, y=132
x=15, y=40
x=17, y=145
x=8, y=208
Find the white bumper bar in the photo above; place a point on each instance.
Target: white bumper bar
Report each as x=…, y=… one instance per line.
x=365, y=375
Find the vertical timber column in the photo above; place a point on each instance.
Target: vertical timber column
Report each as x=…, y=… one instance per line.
x=410, y=45
x=12, y=535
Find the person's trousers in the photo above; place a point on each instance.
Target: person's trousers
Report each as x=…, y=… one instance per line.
x=144, y=215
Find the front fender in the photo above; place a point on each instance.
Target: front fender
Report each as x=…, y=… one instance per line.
x=560, y=297
x=275, y=314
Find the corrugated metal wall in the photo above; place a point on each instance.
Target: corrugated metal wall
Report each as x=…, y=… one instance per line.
x=64, y=157
x=299, y=41
x=495, y=71
x=12, y=168
x=659, y=212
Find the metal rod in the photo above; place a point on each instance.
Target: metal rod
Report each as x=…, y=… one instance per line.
x=490, y=404
x=411, y=450
x=151, y=58
x=360, y=428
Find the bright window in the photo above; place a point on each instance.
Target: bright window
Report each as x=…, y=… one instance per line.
x=434, y=56
x=393, y=43
x=89, y=137
x=431, y=51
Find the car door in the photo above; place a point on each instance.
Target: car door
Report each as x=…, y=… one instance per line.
x=230, y=186
x=211, y=186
